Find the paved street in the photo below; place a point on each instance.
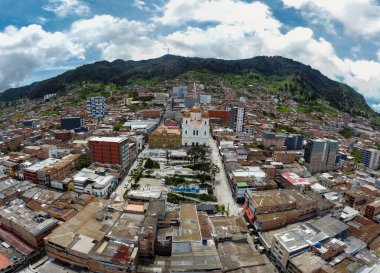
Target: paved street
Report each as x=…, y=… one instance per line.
x=121, y=189
x=222, y=189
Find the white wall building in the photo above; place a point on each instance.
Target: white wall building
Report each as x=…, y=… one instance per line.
x=205, y=99
x=195, y=127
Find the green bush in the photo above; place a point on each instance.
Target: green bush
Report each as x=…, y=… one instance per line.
x=151, y=164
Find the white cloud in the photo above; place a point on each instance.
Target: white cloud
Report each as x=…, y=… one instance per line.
x=22, y=50
x=360, y=17
x=228, y=12
x=376, y=107
x=41, y=20
x=140, y=4
x=115, y=37
x=63, y=8
x=249, y=30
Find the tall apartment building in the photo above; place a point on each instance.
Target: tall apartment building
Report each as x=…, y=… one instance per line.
x=372, y=209
x=237, y=115
x=71, y=123
x=320, y=155
x=370, y=158
x=96, y=106
x=180, y=91
x=109, y=150
x=293, y=142
x=271, y=139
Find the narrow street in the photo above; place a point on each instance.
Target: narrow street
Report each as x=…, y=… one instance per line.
x=121, y=189
x=222, y=189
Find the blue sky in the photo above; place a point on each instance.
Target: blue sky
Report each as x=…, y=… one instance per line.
x=43, y=38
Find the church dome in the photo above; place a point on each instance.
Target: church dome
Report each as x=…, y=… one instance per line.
x=205, y=114
x=195, y=109
x=186, y=114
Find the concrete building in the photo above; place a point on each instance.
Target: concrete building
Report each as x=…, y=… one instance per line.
x=165, y=137
x=272, y=209
x=294, y=142
x=32, y=123
x=223, y=115
x=100, y=238
x=372, y=209
x=152, y=113
x=88, y=181
x=180, y=91
x=286, y=157
x=109, y=150
x=205, y=99
x=289, y=244
x=294, y=181
x=237, y=116
x=249, y=178
x=28, y=225
x=195, y=128
x=51, y=169
x=320, y=155
x=193, y=250
x=273, y=140
x=370, y=158
x=63, y=135
x=71, y=123
x=96, y=106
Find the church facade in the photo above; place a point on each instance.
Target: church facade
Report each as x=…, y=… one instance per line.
x=195, y=128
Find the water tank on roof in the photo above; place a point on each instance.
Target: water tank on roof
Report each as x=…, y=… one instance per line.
x=317, y=245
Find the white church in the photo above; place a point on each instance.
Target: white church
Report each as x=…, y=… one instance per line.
x=195, y=127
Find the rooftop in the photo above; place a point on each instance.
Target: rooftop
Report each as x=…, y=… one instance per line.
x=35, y=222
x=189, y=230
x=300, y=237
x=294, y=178
x=270, y=198
x=108, y=139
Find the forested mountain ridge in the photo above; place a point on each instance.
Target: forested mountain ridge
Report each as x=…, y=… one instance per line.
x=120, y=72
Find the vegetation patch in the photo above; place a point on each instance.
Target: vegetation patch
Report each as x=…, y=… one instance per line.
x=18, y=116
x=51, y=112
x=356, y=154
x=346, y=133
x=283, y=108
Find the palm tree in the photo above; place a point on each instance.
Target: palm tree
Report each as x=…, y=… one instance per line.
x=222, y=209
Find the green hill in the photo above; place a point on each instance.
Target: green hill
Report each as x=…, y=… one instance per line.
x=306, y=79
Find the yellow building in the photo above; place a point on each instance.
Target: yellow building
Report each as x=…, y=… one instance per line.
x=165, y=137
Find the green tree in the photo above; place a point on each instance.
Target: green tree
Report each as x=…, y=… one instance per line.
x=213, y=169
x=151, y=164
x=84, y=162
x=136, y=174
x=356, y=153
x=196, y=155
x=117, y=127
x=222, y=209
